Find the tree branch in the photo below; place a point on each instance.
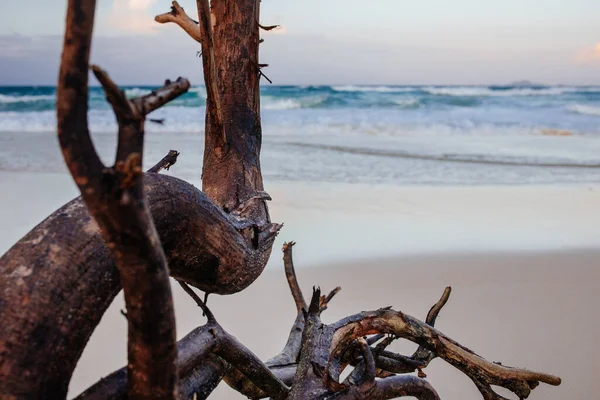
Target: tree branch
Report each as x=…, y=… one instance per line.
x=167, y=162
x=178, y=16
x=482, y=372
x=268, y=27
x=207, y=341
x=205, y=310
x=115, y=96
x=161, y=96
x=72, y=97
x=131, y=114
x=422, y=354
x=290, y=274
x=115, y=198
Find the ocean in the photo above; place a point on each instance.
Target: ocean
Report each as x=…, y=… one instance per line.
x=406, y=135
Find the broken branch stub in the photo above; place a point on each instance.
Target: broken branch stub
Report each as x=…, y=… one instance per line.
x=178, y=16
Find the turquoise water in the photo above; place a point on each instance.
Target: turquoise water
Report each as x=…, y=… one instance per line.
x=366, y=134
x=405, y=107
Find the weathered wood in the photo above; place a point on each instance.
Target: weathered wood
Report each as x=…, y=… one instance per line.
x=231, y=173
x=312, y=368
x=115, y=198
x=178, y=16
x=58, y=280
x=245, y=370
x=166, y=162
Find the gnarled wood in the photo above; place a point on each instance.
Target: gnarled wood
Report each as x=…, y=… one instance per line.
x=58, y=280
x=311, y=368
x=178, y=16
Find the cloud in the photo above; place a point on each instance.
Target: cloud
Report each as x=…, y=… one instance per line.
x=132, y=16
x=589, y=55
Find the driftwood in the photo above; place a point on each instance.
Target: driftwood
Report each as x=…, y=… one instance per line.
x=316, y=354
x=131, y=230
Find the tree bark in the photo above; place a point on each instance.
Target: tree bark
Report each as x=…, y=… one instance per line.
x=231, y=174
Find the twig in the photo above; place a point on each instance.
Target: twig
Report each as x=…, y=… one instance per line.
x=205, y=310
x=326, y=299
x=290, y=274
x=422, y=354
x=259, y=69
x=368, y=376
x=483, y=373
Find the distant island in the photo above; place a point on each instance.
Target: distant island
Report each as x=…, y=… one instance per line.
x=525, y=83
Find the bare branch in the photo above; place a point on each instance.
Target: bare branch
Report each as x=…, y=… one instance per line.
x=268, y=27
x=178, y=16
x=161, y=96
x=210, y=340
x=422, y=353
x=483, y=373
x=167, y=162
x=115, y=96
x=324, y=302
x=132, y=113
x=290, y=274
x=115, y=198
x=437, y=307
x=371, y=340
x=391, y=388
x=244, y=360
x=200, y=382
x=139, y=107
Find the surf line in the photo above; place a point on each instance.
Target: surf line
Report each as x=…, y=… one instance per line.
x=442, y=157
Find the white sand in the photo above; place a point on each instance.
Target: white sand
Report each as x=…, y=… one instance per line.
x=527, y=310
x=521, y=261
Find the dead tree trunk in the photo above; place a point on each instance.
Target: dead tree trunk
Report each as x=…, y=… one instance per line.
x=316, y=354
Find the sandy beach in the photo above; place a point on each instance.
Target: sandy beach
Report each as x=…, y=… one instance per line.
x=522, y=261
x=526, y=310
x=439, y=145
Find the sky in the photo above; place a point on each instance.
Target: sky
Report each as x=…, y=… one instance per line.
x=328, y=42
